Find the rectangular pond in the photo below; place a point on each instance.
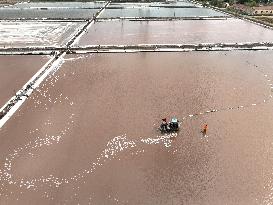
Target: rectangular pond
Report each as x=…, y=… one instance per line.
x=37, y=34
x=93, y=125
x=152, y=4
x=54, y=13
x=126, y=32
x=61, y=4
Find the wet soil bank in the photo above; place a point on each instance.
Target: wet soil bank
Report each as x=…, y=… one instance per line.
x=63, y=145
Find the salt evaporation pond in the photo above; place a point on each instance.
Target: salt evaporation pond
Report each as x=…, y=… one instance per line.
x=156, y=4
x=61, y=4
x=29, y=13
x=175, y=32
x=70, y=143
x=159, y=12
x=88, y=134
x=37, y=34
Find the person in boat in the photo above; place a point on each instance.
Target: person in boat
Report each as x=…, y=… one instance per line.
x=205, y=129
x=164, y=124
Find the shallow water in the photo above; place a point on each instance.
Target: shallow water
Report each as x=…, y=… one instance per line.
x=32, y=13
x=59, y=4
x=37, y=34
x=175, y=4
x=15, y=72
x=70, y=147
x=175, y=32
x=88, y=134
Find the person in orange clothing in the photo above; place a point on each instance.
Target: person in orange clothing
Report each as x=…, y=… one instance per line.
x=205, y=129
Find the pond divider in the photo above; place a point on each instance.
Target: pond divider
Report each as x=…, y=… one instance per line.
x=136, y=48
x=44, y=20
x=51, y=66
x=58, y=53
x=164, y=18
x=16, y=101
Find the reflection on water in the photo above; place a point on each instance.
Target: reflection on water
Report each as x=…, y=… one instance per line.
x=174, y=32
x=160, y=4
x=159, y=12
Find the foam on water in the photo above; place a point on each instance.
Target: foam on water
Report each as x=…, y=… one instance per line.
x=113, y=147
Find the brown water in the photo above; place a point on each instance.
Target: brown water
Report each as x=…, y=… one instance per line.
x=188, y=31
x=66, y=145
x=15, y=71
